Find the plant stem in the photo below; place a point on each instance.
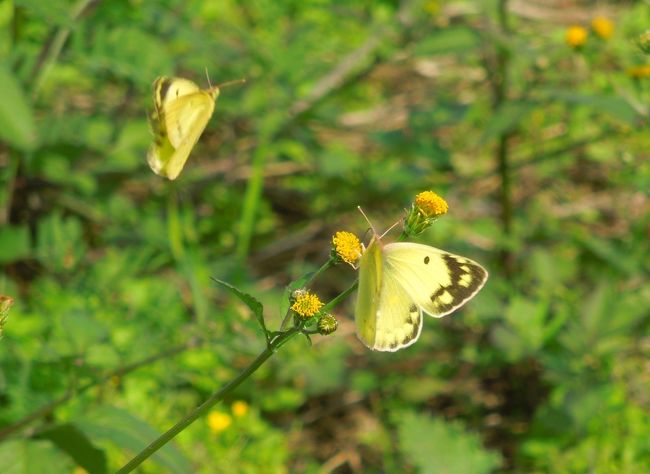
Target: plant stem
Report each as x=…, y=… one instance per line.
x=166, y=437
x=501, y=85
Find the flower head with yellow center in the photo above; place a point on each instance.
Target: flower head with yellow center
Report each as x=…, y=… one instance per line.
x=306, y=305
x=603, y=27
x=425, y=209
x=576, y=36
x=346, y=247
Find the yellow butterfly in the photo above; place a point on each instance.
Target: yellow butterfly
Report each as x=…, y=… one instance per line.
x=181, y=112
x=399, y=281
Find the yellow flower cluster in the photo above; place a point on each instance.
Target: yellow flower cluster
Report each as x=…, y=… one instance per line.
x=219, y=421
x=306, y=305
x=347, y=246
x=430, y=204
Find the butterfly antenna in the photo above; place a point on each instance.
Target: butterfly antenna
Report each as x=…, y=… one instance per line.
x=391, y=228
x=374, y=231
x=208, y=76
x=231, y=83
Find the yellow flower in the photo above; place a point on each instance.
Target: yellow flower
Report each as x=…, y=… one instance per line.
x=639, y=71
x=430, y=204
x=79, y=470
x=603, y=27
x=307, y=305
x=239, y=408
x=218, y=421
x=576, y=36
x=346, y=246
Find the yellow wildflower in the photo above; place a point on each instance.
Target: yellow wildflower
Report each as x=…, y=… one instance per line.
x=307, y=305
x=346, y=246
x=430, y=204
x=79, y=470
x=218, y=421
x=239, y=408
x=639, y=71
x=576, y=36
x=603, y=27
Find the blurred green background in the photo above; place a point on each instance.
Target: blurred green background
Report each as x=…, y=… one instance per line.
x=530, y=118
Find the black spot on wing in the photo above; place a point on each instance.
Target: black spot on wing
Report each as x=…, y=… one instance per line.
x=455, y=290
x=426, y=260
x=163, y=88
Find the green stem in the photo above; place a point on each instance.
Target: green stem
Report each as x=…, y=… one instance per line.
x=339, y=298
x=166, y=437
x=251, y=202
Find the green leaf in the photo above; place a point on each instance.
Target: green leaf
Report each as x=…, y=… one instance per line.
x=254, y=305
x=15, y=243
x=507, y=118
x=611, y=104
x=449, y=40
x=131, y=433
x=436, y=446
x=31, y=457
x=70, y=439
x=16, y=116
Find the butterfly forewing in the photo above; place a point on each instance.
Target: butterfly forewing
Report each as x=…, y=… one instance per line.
x=386, y=316
x=437, y=281
x=181, y=112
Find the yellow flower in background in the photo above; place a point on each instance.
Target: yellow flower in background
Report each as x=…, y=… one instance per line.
x=346, y=246
x=576, y=36
x=306, y=305
x=218, y=421
x=430, y=204
x=638, y=72
x=239, y=408
x=603, y=27
x=79, y=470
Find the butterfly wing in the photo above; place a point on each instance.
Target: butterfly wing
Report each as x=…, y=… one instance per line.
x=386, y=317
x=438, y=282
x=181, y=113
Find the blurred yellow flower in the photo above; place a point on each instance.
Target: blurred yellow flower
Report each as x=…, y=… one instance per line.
x=218, y=421
x=576, y=36
x=639, y=71
x=347, y=246
x=239, y=408
x=79, y=470
x=603, y=27
x=307, y=305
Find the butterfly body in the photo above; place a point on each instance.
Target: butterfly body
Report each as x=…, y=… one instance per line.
x=400, y=281
x=181, y=113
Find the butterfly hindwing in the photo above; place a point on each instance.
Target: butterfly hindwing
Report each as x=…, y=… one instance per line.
x=439, y=282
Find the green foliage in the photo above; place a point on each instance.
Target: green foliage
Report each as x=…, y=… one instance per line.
x=435, y=446
x=117, y=331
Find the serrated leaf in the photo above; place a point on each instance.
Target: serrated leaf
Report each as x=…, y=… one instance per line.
x=130, y=433
x=255, y=306
x=70, y=439
x=436, y=446
x=16, y=116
